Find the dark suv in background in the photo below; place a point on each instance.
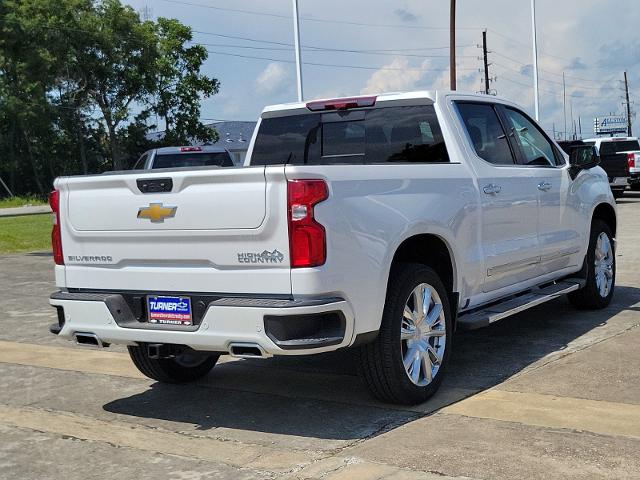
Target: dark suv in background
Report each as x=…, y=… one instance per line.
x=189, y=156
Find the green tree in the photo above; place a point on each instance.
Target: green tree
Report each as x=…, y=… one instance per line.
x=78, y=82
x=180, y=85
x=114, y=66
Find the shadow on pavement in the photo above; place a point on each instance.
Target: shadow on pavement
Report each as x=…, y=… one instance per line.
x=322, y=397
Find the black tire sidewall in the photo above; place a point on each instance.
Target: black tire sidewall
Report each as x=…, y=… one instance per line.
x=168, y=370
x=403, y=280
x=591, y=288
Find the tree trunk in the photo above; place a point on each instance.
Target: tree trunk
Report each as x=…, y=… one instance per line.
x=83, y=150
x=32, y=160
x=113, y=145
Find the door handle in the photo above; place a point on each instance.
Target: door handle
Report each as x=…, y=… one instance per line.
x=544, y=186
x=492, y=189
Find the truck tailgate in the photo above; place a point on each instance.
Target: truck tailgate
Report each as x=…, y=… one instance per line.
x=212, y=230
x=615, y=165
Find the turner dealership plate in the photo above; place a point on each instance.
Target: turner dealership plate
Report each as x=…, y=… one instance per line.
x=169, y=310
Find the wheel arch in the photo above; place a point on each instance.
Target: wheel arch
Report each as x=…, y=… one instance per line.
x=435, y=252
x=606, y=213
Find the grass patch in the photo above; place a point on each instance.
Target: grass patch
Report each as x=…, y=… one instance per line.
x=29, y=233
x=14, y=202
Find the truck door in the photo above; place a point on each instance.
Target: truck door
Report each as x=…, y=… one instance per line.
x=559, y=218
x=509, y=199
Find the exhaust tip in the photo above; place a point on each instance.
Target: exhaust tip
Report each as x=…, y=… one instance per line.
x=88, y=340
x=246, y=350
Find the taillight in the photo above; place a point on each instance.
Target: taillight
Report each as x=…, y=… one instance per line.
x=631, y=160
x=341, y=103
x=190, y=149
x=307, y=238
x=56, y=238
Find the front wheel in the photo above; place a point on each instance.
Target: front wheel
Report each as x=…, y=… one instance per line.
x=600, y=270
x=186, y=367
x=408, y=359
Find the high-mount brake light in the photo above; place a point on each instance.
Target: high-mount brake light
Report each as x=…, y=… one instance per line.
x=56, y=236
x=190, y=149
x=631, y=160
x=342, y=103
x=307, y=238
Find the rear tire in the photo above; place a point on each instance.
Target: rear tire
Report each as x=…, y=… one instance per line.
x=600, y=267
x=407, y=361
x=185, y=368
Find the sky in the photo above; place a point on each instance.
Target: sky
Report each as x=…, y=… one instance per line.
x=353, y=47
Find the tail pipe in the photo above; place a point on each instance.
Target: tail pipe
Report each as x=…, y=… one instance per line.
x=247, y=350
x=88, y=340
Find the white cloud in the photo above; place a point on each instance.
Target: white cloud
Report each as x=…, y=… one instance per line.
x=274, y=79
x=396, y=76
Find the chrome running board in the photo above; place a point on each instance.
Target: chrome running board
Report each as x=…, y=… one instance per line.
x=498, y=311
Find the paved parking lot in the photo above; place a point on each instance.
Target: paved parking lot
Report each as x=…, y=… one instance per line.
x=550, y=393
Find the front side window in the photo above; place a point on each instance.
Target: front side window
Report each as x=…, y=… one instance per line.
x=535, y=147
x=486, y=133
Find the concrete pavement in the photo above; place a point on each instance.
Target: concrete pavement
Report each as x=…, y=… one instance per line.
x=550, y=393
x=20, y=211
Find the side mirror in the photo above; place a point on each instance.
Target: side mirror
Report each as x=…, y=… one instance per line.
x=583, y=157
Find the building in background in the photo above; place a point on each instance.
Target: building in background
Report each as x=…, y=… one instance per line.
x=233, y=135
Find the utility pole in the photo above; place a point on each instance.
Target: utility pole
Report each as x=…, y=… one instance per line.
x=564, y=103
x=628, y=102
x=452, y=45
x=486, y=62
x=580, y=126
x=535, y=60
x=296, y=39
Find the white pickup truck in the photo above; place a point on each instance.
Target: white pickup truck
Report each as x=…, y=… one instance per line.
x=382, y=223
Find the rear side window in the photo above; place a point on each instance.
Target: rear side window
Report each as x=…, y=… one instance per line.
x=383, y=135
x=486, y=133
x=612, y=148
x=206, y=159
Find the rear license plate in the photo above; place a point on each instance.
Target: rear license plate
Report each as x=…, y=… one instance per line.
x=620, y=181
x=169, y=310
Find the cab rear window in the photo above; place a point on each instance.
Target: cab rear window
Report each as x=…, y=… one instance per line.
x=382, y=135
x=612, y=148
x=205, y=159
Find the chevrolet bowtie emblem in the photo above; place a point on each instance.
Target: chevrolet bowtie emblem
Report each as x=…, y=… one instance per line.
x=156, y=212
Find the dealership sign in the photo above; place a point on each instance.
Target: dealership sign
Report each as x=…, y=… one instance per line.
x=610, y=124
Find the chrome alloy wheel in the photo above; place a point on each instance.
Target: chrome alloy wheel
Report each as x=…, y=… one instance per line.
x=423, y=335
x=604, y=264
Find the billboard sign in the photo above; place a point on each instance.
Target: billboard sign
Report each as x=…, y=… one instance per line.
x=610, y=124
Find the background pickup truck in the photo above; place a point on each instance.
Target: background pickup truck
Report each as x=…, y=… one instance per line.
x=617, y=158
x=379, y=223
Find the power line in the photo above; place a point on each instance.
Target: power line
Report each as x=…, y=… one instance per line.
x=357, y=67
x=319, y=20
x=328, y=50
x=583, y=87
x=314, y=47
x=511, y=59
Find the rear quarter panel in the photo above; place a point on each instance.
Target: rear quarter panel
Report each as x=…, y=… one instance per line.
x=371, y=210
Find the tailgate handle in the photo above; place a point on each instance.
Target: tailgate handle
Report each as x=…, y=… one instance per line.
x=154, y=185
